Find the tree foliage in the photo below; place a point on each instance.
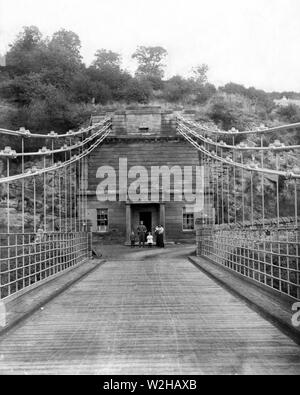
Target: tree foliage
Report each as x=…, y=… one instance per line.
x=26, y=53
x=177, y=89
x=150, y=62
x=290, y=113
x=257, y=97
x=45, y=85
x=105, y=59
x=199, y=75
x=231, y=112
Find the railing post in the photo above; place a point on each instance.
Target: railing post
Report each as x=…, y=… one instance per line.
x=90, y=239
x=298, y=260
x=203, y=233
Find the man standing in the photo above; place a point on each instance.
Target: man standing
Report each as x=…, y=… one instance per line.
x=141, y=231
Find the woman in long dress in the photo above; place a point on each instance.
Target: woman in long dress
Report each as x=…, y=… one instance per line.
x=159, y=231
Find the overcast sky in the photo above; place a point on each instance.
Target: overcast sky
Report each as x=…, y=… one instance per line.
x=253, y=42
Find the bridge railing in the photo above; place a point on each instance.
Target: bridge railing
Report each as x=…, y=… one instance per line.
x=251, y=202
x=27, y=258
x=43, y=203
x=271, y=260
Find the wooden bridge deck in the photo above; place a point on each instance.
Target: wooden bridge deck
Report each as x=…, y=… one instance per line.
x=147, y=313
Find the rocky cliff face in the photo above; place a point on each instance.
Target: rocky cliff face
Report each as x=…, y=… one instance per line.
x=14, y=206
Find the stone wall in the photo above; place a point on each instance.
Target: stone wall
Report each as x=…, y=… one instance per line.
x=146, y=152
x=143, y=121
x=141, y=152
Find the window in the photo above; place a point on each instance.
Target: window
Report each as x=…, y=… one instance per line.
x=144, y=129
x=188, y=219
x=102, y=220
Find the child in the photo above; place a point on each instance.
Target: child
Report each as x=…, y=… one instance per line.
x=150, y=240
x=132, y=239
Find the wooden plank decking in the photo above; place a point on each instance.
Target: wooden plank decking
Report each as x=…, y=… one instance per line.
x=147, y=312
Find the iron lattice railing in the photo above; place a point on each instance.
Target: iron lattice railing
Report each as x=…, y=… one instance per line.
x=271, y=260
x=27, y=258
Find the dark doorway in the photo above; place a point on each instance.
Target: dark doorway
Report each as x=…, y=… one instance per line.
x=146, y=217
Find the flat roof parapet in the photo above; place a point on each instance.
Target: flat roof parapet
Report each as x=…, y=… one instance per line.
x=143, y=110
x=142, y=107
x=189, y=111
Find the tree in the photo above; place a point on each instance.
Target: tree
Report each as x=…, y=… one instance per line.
x=150, y=63
x=234, y=89
x=67, y=42
x=64, y=60
x=199, y=75
x=290, y=113
x=56, y=60
x=205, y=93
x=23, y=89
x=138, y=91
x=177, y=89
x=230, y=113
x=201, y=89
x=101, y=92
x=107, y=59
x=260, y=100
x=223, y=114
x=26, y=52
x=82, y=88
x=52, y=111
x=114, y=80
x=108, y=77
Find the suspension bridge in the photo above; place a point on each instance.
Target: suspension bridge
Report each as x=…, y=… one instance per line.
x=148, y=311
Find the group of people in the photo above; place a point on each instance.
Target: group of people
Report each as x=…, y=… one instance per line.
x=145, y=237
